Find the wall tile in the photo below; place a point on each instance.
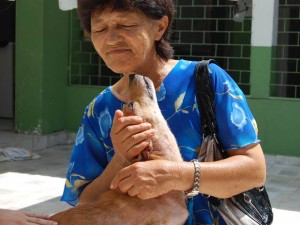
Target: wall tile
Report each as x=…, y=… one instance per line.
x=204, y=50
x=192, y=12
x=204, y=25
x=191, y=37
x=217, y=37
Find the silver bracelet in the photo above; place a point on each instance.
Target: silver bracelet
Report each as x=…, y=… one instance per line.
x=195, y=191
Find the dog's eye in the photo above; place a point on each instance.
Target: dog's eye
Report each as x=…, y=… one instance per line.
x=130, y=106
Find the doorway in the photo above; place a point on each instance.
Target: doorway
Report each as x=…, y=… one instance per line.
x=7, y=64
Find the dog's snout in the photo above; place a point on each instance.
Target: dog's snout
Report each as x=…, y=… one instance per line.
x=131, y=77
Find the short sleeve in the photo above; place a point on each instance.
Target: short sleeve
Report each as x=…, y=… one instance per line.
x=88, y=158
x=237, y=127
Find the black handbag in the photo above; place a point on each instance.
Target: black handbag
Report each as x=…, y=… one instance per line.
x=249, y=207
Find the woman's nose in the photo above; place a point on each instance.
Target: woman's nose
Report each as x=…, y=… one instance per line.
x=113, y=36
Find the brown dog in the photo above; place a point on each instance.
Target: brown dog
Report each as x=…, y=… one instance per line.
x=115, y=208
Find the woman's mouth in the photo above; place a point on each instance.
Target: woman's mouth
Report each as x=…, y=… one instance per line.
x=117, y=51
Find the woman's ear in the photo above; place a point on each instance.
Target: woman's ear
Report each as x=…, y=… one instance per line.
x=161, y=27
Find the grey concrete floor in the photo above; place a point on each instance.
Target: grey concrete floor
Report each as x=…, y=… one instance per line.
x=36, y=185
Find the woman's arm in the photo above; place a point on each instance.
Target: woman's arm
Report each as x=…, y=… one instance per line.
x=93, y=191
x=129, y=137
x=243, y=170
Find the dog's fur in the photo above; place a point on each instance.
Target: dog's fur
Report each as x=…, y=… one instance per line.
x=116, y=208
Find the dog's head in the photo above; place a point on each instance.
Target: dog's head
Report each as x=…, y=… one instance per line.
x=142, y=103
x=143, y=100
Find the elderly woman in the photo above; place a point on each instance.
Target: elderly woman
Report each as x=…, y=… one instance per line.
x=132, y=37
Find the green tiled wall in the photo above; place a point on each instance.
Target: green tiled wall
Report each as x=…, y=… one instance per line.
x=205, y=29
x=285, y=77
x=202, y=29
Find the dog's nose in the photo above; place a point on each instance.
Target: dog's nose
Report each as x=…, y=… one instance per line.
x=131, y=77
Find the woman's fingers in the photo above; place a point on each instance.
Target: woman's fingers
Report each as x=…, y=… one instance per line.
x=122, y=175
x=34, y=215
x=138, y=142
x=39, y=221
x=130, y=135
x=136, y=133
x=120, y=121
x=134, y=144
x=35, y=219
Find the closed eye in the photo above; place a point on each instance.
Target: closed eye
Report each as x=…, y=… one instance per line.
x=128, y=26
x=99, y=31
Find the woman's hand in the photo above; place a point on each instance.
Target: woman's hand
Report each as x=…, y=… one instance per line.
x=130, y=136
x=14, y=217
x=150, y=179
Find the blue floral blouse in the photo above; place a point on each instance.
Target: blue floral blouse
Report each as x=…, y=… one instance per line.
x=176, y=98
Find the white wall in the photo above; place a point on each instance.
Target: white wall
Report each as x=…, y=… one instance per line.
x=264, y=22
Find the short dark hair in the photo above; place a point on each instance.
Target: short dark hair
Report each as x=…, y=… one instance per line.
x=153, y=9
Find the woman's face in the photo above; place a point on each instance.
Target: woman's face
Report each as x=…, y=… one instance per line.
x=125, y=40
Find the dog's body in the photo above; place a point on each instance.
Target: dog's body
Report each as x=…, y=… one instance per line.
x=116, y=208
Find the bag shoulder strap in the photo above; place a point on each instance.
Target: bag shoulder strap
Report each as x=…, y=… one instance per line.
x=205, y=100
